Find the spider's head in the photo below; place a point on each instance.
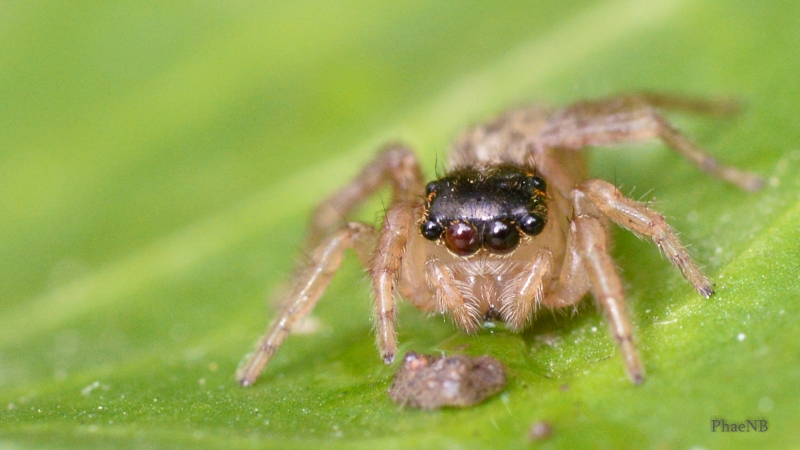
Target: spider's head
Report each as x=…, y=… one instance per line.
x=491, y=207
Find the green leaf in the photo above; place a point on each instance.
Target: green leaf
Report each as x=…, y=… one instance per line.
x=159, y=160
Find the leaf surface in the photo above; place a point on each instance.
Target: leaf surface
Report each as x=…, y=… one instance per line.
x=159, y=161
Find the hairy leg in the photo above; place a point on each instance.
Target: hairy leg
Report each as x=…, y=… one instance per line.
x=634, y=118
x=593, y=247
x=385, y=269
x=607, y=289
x=660, y=100
x=307, y=287
x=395, y=164
x=573, y=281
x=638, y=218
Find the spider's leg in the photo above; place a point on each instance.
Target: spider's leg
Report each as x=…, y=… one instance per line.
x=398, y=165
x=661, y=100
x=385, y=269
x=640, y=219
x=573, y=281
x=395, y=164
x=593, y=247
x=308, y=286
x=634, y=118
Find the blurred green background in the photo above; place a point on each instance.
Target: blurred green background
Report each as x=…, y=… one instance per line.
x=158, y=161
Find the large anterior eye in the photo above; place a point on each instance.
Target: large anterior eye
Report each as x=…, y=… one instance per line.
x=500, y=236
x=462, y=238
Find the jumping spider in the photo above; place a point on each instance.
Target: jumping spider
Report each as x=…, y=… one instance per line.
x=514, y=226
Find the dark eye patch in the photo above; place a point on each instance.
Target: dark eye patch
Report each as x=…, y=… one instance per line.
x=431, y=230
x=500, y=236
x=532, y=224
x=462, y=238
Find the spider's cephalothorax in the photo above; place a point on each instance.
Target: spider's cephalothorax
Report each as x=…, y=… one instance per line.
x=484, y=206
x=489, y=240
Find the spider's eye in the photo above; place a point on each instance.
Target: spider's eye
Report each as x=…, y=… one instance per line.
x=500, y=236
x=532, y=225
x=462, y=238
x=431, y=187
x=538, y=183
x=431, y=230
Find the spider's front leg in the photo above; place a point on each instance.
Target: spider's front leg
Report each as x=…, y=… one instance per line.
x=307, y=288
x=592, y=246
x=640, y=219
x=395, y=165
x=384, y=271
x=594, y=199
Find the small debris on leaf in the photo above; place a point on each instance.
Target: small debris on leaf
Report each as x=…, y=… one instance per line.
x=540, y=431
x=432, y=382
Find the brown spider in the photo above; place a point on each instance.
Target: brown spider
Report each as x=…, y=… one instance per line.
x=514, y=226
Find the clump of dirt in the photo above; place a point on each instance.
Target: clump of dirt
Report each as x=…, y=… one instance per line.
x=432, y=382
